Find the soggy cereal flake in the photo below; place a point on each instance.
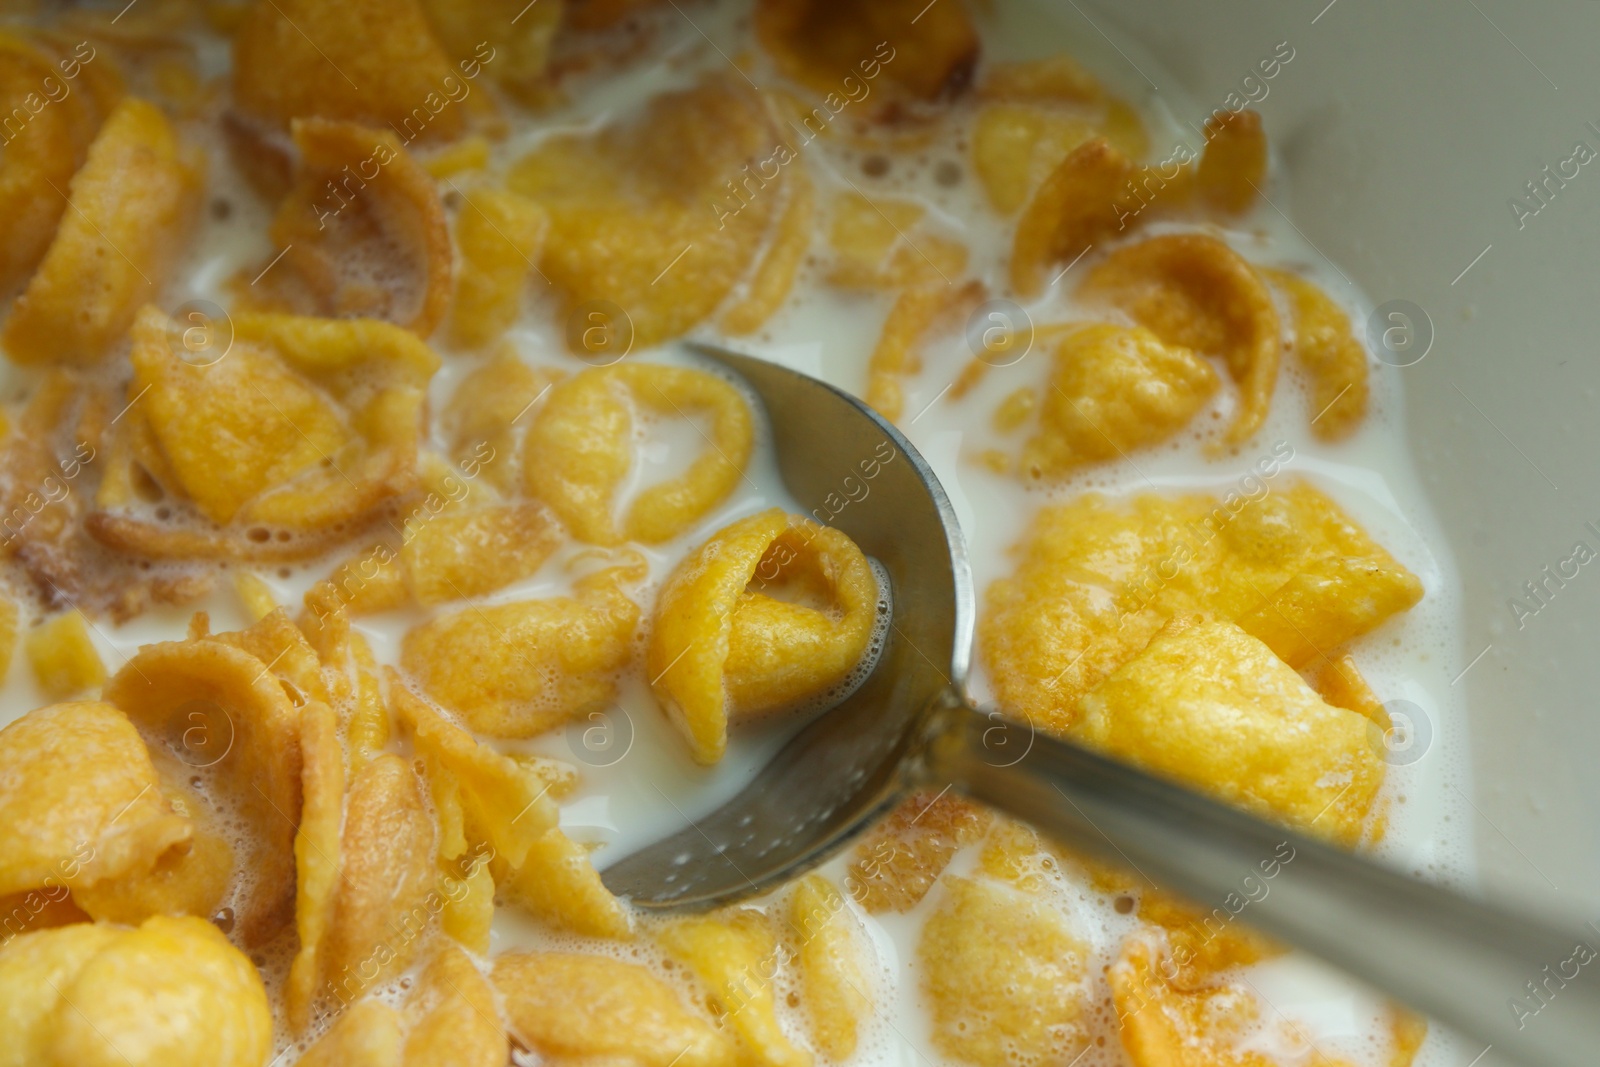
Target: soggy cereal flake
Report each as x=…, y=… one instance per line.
x=362, y=234
x=1203, y=944
x=1210, y=706
x=63, y=656
x=582, y=445
x=557, y=883
x=1083, y=202
x=128, y=216
x=469, y=908
x=896, y=865
x=519, y=36
x=171, y=993
x=367, y=1034
x=519, y=669
x=770, y=611
x=835, y=987
x=371, y=61
x=569, y=1007
x=735, y=955
x=1015, y=854
x=1113, y=389
x=1016, y=146
x=254, y=593
x=387, y=894
x=775, y=274
x=1054, y=79
x=1233, y=168
x=316, y=853
x=477, y=551
x=82, y=800
x=883, y=244
x=1330, y=354
x=1340, y=683
x=916, y=312
x=483, y=417
x=1328, y=602
x=1095, y=580
x=1195, y=291
x=831, y=45
x=1004, y=975
x=452, y=1016
x=500, y=235
x=643, y=213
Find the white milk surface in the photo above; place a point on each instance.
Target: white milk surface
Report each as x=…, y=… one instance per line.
x=637, y=781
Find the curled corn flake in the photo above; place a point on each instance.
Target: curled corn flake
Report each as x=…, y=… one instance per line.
x=488, y=410
x=387, y=895
x=500, y=235
x=581, y=447
x=82, y=800
x=772, y=610
x=558, y=884
x=775, y=274
x=362, y=232
x=570, y=1007
x=882, y=244
x=834, y=985
x=1233, y=168
x=519, y=669
x=735, y=955
x=1114, y=389
x=223, y=713
x=452, y=1017
x=1209, y=705
x=63, y=656
x=637, y=212
x=1016, y=146
x=1329, y=354
x=1195, y=291
x=316, y=853
x=926, y=53
x=1081, y=203
x=130, y=205
x=915, y=313
x=1096, y=580
x=898, y=863
x=368, y=1034
x=304, y=424
x=370, y=61
x=1340, y=683
x=1004, y=975
x=171, y=993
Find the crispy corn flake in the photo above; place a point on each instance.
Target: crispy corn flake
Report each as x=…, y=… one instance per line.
x=370, y=61
x=1329, y=354
x=222, y=712
x=130, y=206
x=1113, y=389
x=883, y=244
x=452, y=1017
x=505, y=801
x=363, y=233
x=925, y=52
x=171, y=993
x=1195, y=291
x=521, y=38
x=1004, y=975
x=637, y=210
x=557, y=883
x=82, y=800
x=500, y=235
x=305, y=423
x=735, y=954
x=316, y=853
x=834, y=984
x=775, y=274
x=386, y=899
x=1209, y=705
x=63, y=656
x=581, y=447
x=1096, y=580
x=483, y=417
x=915, y=313
x=770, y=611
x=519, y=669
x=896, y=865
x=368, y=1034
x=37, y=167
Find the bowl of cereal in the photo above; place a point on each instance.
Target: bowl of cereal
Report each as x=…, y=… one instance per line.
x=385, y=563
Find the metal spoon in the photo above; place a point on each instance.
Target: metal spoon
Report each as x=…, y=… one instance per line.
x=1512, y=982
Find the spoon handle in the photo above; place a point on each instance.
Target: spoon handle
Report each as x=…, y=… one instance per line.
x=1529, y=991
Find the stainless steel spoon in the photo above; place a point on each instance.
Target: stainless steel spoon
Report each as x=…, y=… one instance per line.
x=1505, y=979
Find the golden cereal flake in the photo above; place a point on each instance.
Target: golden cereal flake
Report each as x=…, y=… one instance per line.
x=558, y=884
x=770, y=611
x=1004, y=976
x=130, y=206
x=581, y=447
x=735, y=955
x=898, y=862
x=775, y=274
x=82, y=800
x=316, y=853
x=519, y=669
x=500, y=235
x=452, y=1017
x=884, y=244
x=835, y=987
x=924, y=52
x=63, y=656
x=1193, y=290
x=474, y=552
x=1203, y=944
x=569, y=1007
x=632, y=219
x=1328, y=601
x=1084, y=201
x=1016, y=146
x=1210, y=706
x=367, y=1034
x=1330, y=355
x=492, y=404
x=171, y=993
x=1113, y=389
x=469, y=908
x=1095, y=580
x=520, y=36
x=915, y=313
